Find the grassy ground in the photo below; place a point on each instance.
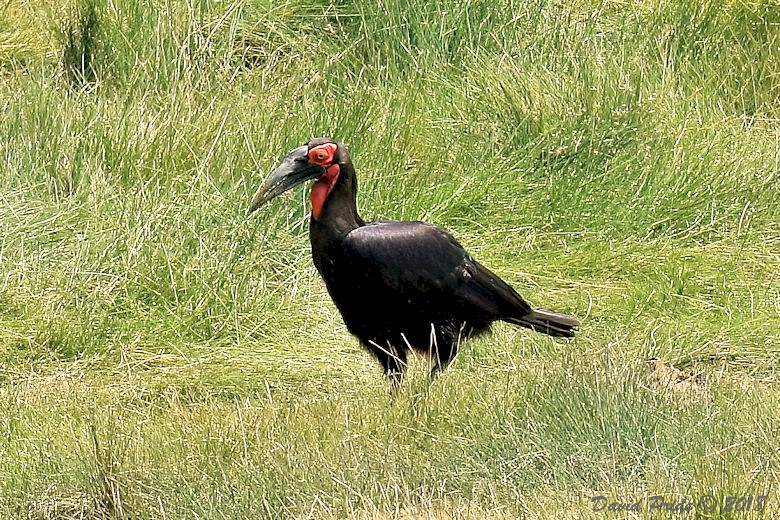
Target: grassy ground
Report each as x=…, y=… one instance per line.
x=163, y=356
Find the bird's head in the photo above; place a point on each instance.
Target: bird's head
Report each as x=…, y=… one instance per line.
x=320, y=159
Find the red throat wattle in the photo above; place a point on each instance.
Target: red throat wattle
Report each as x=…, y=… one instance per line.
x=322, y=188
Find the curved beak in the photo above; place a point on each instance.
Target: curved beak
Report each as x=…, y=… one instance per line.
x=294, y=170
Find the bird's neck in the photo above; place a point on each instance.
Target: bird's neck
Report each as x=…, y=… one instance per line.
x=334, y=206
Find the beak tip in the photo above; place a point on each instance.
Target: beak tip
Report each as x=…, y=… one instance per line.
x=260, y=197
x=253, y=207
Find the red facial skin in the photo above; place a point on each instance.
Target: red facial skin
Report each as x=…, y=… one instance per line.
x=323, y=156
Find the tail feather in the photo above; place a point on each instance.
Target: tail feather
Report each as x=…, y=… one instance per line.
x=548, y=322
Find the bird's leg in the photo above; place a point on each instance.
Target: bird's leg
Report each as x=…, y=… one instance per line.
x=439, y=367
x=395, y=367
x=393, y=361
x=442, y=353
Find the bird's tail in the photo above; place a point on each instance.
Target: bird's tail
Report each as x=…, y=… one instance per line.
x=548, y=322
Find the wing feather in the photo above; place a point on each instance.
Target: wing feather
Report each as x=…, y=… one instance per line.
x=420, y=265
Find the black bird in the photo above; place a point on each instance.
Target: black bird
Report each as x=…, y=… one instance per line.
x=398, y=285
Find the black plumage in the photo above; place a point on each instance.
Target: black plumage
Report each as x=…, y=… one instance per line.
x=399, y=286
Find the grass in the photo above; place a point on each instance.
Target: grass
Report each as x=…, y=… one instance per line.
x=163, y=356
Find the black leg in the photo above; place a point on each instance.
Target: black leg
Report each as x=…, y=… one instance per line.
x=442, y=357
x=393, y=361
x=444, y=345
x=395, y=367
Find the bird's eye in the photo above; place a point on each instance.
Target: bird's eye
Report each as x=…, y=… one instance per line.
x=323, y=154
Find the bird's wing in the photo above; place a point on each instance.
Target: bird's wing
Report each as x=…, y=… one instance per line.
x=419, y=264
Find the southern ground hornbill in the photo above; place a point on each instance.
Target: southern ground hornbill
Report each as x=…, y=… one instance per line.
x=398, y=285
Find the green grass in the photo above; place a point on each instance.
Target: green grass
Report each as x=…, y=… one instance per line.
x=163, y=356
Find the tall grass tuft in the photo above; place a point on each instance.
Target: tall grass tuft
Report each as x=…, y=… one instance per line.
x=80, y=37
x=106, y=461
